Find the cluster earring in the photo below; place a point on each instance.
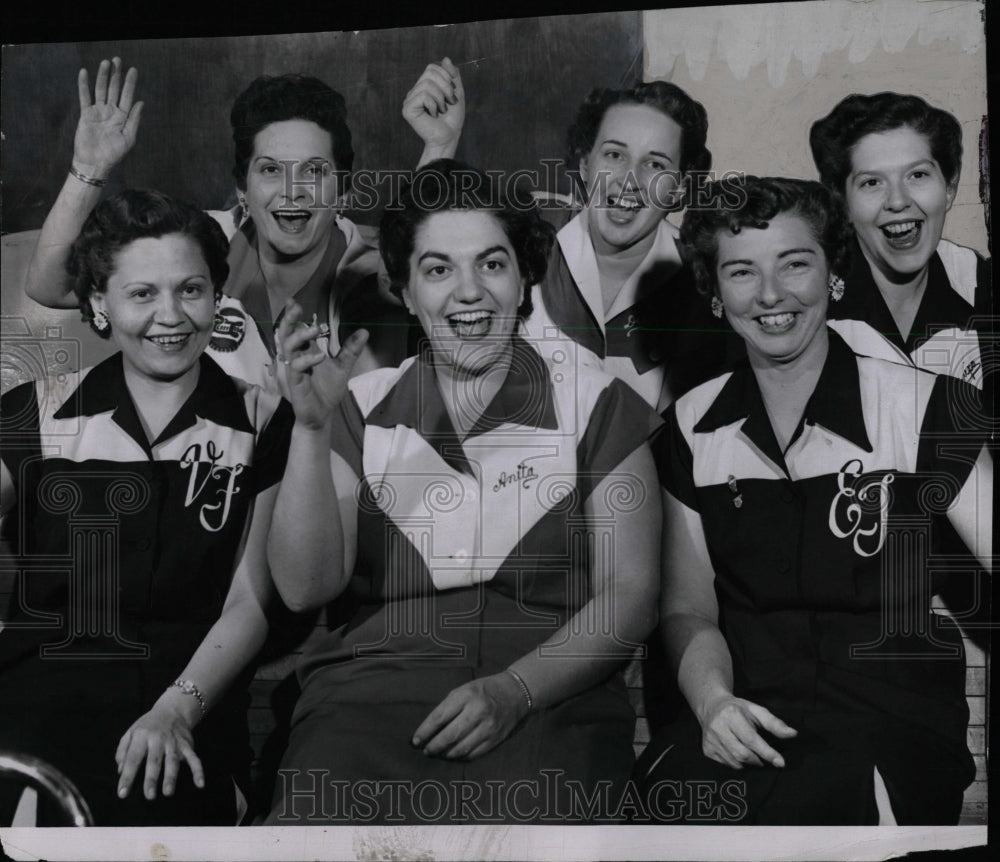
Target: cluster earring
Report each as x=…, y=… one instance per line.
x=101, y=322
x=716, y=307
x=244, y=209
x=836, y=284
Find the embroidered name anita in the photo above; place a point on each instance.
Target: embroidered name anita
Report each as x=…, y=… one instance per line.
x=213, y=472
x=860, y=508
x=525, y=474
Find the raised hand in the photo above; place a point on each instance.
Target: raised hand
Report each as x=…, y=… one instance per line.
x=109, y=122
x=472, y=719
x=729, y=733
x=435, y=107
x=312, y=380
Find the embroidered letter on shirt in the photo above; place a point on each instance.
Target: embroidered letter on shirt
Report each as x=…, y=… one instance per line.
x=862, y=506
x=197, y=481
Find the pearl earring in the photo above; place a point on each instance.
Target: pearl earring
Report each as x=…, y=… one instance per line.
x=101, y=322
x=716, y=306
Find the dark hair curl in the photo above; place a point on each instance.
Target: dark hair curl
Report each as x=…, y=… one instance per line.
x=737, y=203
x=833, y=138
x=139, y=214
x=446, y=185
x=667, y=98
x=290, y=97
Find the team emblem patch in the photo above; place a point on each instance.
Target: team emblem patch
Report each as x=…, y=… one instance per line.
x=229, y=330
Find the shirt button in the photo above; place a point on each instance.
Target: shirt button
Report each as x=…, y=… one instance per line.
x=143, y=544
x=461, y=555
x=655, y=356
x=787, y=496
x=783, y=564
x=472, y=495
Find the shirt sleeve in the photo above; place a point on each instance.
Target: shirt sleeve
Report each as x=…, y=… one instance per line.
x=272, y=446
x=674, y=460
x=619, y=423
x=953, y=432
x=347, y=438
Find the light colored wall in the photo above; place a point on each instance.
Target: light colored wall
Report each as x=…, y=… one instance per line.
x=765, y=72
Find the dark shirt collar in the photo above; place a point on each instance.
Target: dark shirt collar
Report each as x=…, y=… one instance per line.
x=835, y=403
x=940, y=306
x=525, y=398
x=215, y=399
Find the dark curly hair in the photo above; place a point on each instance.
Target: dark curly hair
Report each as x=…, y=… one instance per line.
x=447, y=184
x=290, y=97
x=735, y=203
x=666, y=97
x=833, y=138
x=139, y=214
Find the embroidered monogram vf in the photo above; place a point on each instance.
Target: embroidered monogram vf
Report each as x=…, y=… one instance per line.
x=860, y=508
x=211, y=480
x=630, y=324
x=525, y=474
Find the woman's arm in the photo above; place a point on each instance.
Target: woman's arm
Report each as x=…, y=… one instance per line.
x=163, y=736
x=603, y=634
x=312, y=540
x=972, y=512
x=105, y=133
x=689, y=619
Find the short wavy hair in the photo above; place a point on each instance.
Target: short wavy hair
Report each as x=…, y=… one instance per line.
x=736, y=203
x=139, y=214
x=667, y=98
x=290, y=97
x=833, y=138
x=446, y=185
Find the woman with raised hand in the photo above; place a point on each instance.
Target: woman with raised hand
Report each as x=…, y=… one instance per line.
x=457, y=521
x=293, y=160
x=139, y=494
x=821, y=691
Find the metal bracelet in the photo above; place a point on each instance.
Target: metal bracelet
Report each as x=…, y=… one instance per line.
x=189, y=687
x=83, y=178
x=524, y=688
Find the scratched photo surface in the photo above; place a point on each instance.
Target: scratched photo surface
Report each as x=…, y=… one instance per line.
x=487, y=537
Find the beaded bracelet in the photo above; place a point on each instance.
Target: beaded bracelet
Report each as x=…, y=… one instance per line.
x=189, y=687
x=524, y=687
x=83, y=178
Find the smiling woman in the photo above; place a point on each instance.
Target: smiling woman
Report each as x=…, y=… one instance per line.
x=788, y=483
x=142, y=680
x=474, y=672
x=909, y=295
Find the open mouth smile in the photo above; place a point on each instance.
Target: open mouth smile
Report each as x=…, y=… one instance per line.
x=902, y=235
x=291, y=220
x=471, y=324
x=170, y=343
x=775, y=324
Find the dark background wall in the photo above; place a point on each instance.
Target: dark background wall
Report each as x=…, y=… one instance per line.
x=524, y=79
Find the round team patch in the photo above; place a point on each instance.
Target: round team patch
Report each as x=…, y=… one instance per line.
x=229, y=330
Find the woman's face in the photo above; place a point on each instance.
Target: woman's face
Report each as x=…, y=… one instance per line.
x=631, y=175
x=773, y=287
x=465, y=288
x=897, y=198
x=291, y=188
x=161, y=305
